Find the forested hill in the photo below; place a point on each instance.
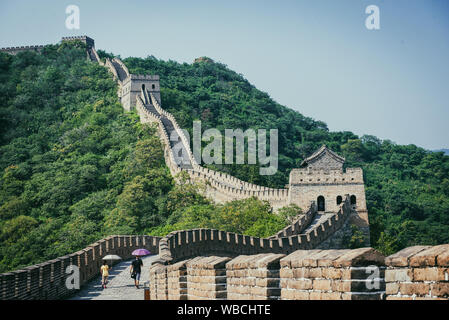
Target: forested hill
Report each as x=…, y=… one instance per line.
x=74, y=167
x=407, y=187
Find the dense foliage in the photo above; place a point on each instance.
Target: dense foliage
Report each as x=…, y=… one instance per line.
x=75, y=167
x=407, y=187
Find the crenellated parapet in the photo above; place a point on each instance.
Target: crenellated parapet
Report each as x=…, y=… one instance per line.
x=90, y=43
x=180, y=245
x=415, y=273
x=308, y=176
x=47, y=280
x=16, y=50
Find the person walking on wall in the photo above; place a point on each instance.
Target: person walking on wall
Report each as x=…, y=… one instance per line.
x=136, y=269
x=104, y=274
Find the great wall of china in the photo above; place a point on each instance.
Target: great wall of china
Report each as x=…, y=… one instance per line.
x=302, y=261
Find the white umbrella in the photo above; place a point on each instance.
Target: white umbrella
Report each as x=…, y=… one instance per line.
x=112, y=257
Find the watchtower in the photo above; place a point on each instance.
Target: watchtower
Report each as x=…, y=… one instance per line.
x=132, y=85
x=322, y=179
x=90, y=43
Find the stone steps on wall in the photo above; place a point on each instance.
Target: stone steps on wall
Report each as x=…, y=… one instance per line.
x=120, y=71
x=319, y=219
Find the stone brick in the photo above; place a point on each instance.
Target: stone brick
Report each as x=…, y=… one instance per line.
x=402, y=275
x=326, y=258
x=345, y=296
x=300, y=284
x=360, y=257
x=331, y=273
x=311, y=259
x=295, y=259
x=301, y=295
x=341, y=286
x=429, y=256
x=443, y=259
x=414, y=288
x=286, y=273
x=284, y=282
x=330, y=296
x=313, y=273
x=300, y=273
x=440, y=289
x=267, y=282
x=288, y=294
x=323, y=285
x=314, y=295
x=401, y=258
x=429, y=274
x=392, y=288
x=346, y=274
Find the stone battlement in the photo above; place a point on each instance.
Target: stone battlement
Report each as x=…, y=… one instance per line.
x=179, y=245
x=415, y=273
x=47, y=280
x=88, y=41
x=143, y=77
x=16, y=50
x=322, y=177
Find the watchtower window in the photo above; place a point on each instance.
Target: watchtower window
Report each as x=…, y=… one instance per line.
x=320, y=202
x=339, y=200
x=153, y=86
x=353, y=200
x=143, y=87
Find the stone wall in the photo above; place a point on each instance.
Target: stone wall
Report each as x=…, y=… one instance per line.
x=16, y=50
x=332, y=275
x=254, y=277
x=177, y=281
x=418, y=273
x=206, y=278
x=360, y=274
x=47, y=280
x=184, y=244
x=158, y=282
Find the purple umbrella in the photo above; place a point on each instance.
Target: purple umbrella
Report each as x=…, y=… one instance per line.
x=141, y=252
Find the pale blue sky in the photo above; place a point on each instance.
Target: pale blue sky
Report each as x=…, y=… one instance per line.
x=316, y=56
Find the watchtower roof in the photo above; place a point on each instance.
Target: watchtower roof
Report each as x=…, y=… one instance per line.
x=324, y=151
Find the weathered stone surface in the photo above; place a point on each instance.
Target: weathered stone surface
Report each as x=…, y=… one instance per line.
x=414, y=288
x=328, y=256
x=392, y=288
x=402, y=275
x=322, y=284
x=440, y=289
x=443, y=259
x=341, y=286
x=401, y=258
x=430, y=274
x=429, y=256
x=360, y=257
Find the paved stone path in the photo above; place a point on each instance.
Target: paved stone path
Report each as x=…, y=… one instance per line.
x=120, y=285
